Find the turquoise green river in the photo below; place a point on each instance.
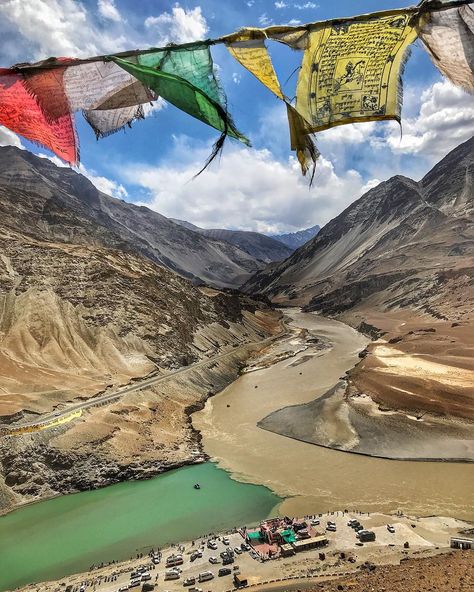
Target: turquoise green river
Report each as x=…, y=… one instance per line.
x=67, y=534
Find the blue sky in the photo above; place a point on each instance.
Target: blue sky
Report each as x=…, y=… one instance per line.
x=259, y=188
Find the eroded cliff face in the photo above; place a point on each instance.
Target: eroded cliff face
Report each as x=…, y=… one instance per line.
x=85, y=309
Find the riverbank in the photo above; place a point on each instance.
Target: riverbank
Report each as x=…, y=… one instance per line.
x=144, y=433
x=68, y=534
x=312, y=478
x=413, y=538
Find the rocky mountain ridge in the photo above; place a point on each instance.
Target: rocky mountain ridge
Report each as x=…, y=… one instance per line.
x=297, y=239
x=50, y=193
x=88, y=302
x=402, y=244
x=262, y=247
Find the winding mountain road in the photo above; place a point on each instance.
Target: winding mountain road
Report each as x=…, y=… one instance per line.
x=54, y=418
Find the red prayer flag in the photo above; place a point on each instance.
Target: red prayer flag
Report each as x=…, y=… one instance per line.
x=20, y=113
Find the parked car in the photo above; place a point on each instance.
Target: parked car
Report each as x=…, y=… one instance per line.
x=245, y=547
x=146, y=577
x=225, y=541
x=189, y=582
x=224, y=571
x=212, y=545
x=135, y=582
x=331, y=528
x=123, y=588
x=390, y=528
x=237, y=550
x=205, y=576
x=213, y=560
x=315, y=522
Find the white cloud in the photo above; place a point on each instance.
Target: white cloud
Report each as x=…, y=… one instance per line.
x=265, y=20
x=54, y=27
x=9, y=138
x=150, y=108
x=104, y=184
x=247, y=189
x=236, y=77
x=250, y=3
x=306, y=6
x=444, y=120
x=281, y=4
x=294, y=22
x=108, y=10
x=178, y=26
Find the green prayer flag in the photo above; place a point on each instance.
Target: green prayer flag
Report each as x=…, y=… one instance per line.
x=185, y=78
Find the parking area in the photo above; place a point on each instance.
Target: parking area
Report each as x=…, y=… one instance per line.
x=343, y=553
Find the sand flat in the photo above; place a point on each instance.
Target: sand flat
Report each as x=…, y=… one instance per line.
x=319, y=478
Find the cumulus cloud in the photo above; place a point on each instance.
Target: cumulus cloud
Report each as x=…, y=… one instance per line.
x=281, y=4
x=444, y=120
x=51, y=27
x=9, y=138
x=108, y=10
x=104, y=184
x=178, y=26
x=248, y=189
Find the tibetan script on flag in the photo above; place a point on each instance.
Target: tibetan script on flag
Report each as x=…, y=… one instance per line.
x=351, y=70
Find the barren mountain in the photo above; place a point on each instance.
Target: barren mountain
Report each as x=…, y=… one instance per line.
x=85, y=307
x=294, y=240
x=404, y=243
x=399, y=261
x=257, y=245
x=56, y=191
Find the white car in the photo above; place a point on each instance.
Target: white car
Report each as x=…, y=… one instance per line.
x=390, y=528
x=331, y=527
x=214, y=560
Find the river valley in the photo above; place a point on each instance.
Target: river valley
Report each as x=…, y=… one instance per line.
x=67, y=534
x=311, y=478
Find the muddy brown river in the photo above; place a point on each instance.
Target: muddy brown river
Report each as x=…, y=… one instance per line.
x=312, y=478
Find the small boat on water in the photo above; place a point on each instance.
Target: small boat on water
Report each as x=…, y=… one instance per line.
x=197, y=486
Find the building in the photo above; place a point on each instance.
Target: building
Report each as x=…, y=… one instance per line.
x=461, y=543
x=311, y=543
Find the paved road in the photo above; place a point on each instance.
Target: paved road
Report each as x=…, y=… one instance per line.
x=138, y=385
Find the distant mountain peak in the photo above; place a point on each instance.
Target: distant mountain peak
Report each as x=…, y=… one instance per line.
x=294, y=240
x=264, y=248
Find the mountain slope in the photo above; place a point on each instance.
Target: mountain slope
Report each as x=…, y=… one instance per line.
x=294, y=240
x=402, y=244
x=257, y=245
x=398, y=264
x=85, y=307
x=54, y=192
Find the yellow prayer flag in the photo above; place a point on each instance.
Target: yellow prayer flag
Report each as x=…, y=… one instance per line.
x=253, y=55
x=351, y=70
